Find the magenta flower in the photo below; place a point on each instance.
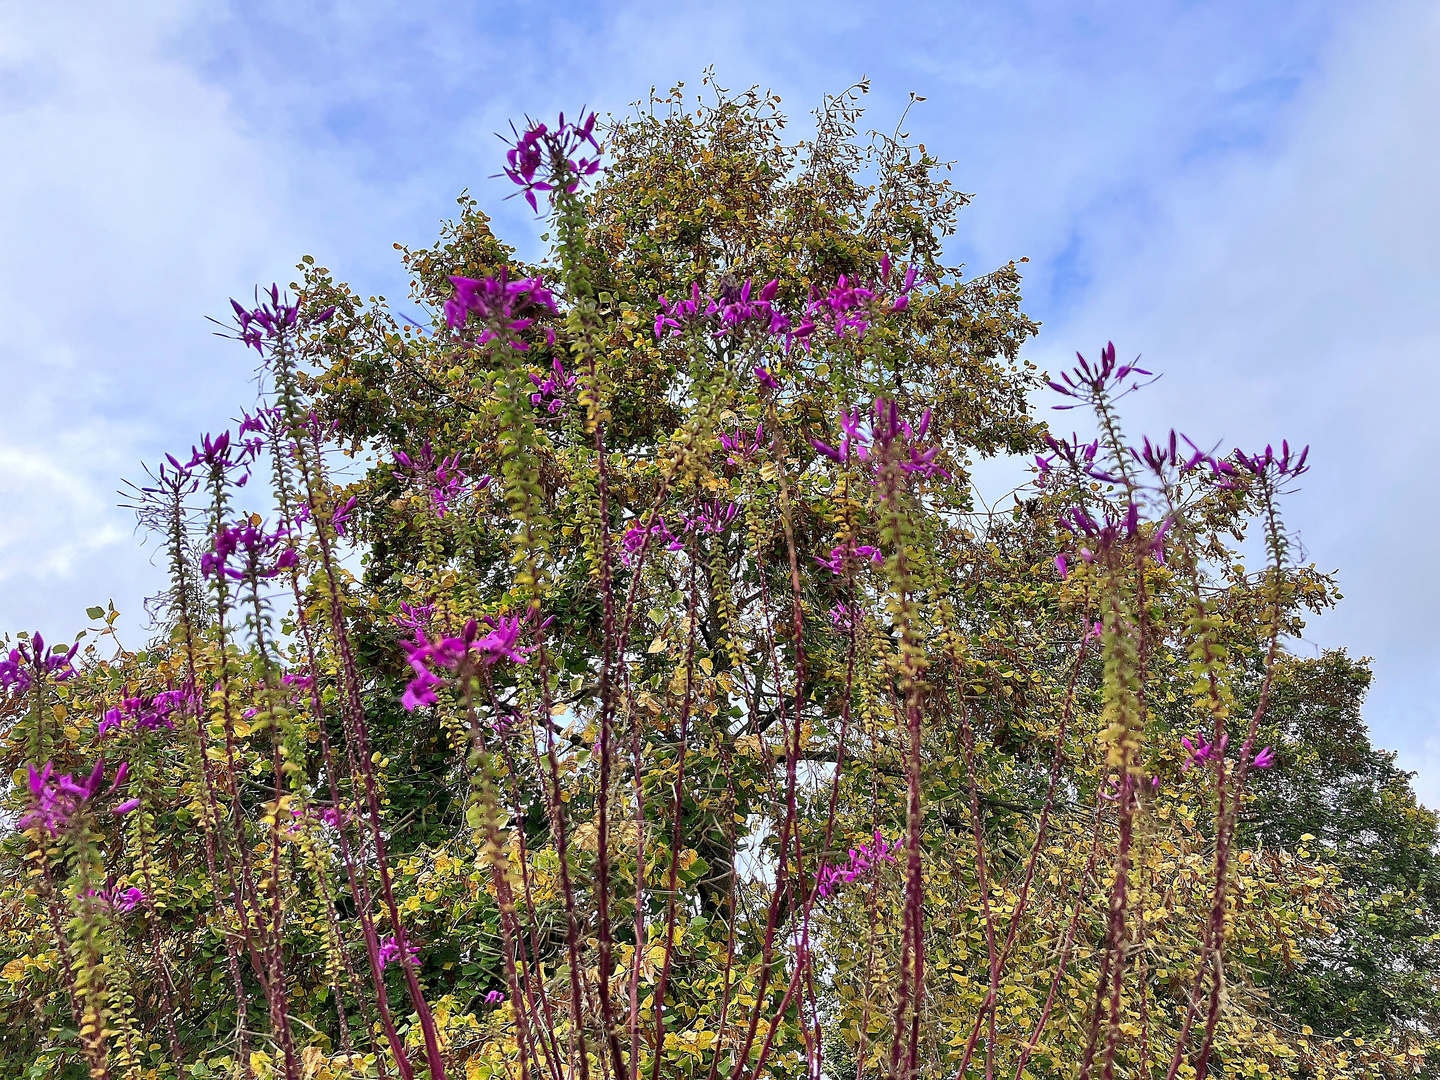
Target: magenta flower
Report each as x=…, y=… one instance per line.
x=18, y=669
x=764, y=378
x=862, y=860
x=55, y=800
x=1089, y=383
x=1062, y=566
x=267, y=321
x=736, y=306
x=494, y=997
x=389, y=952
x=253, y=545
x=444, y=481
x=1265, y=758
x=142, y=713
x=555, y=390
x=712, y=518
x=635, y=539
x=449, y=653
x=838, y=555
x=413, y=617
x=1284, y=464
x=542, y=160
x=1200, y=751
x=736, y=444
x=117, y=899
x=505, y=306
x=340, y=516
x=216, y=453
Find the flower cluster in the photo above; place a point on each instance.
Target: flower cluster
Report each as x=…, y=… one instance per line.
x=527, y=157
x=1199, y=752
x=389, y=952
x=17, y=669
x=340, y=516
x=1101, y=537
x=254, y=545
x=444, y=481
x=713, y=517
x=503, y=305
x=269, y=320
x=736, y=444
x=450, y=652
x=885, y=428
x=1090, y=383
x=554, y=390
x=414, y=617
x=217, y=454
x=735, y=307
x=146, y=713
x=844, y=617
x=117, y=899
x=862, y=859
x=54, y=800
x=838, y=555
x=848, y=308
x=1284, y=463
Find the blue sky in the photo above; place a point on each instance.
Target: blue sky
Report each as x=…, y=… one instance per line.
x=1246, y=194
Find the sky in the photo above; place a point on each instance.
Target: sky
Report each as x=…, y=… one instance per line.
x=1247, y=195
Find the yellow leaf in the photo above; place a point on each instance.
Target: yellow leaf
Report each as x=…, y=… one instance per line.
x=658, y=645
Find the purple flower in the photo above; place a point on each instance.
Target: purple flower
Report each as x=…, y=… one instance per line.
x=505, y=306
x=1284, y=464
x=340, y=516
x=54, y=800
x=142, y=713
x=862, y=859
x=253, y=545
x=764, y=378
x=413, y=617
x=542, y=160
x=838, y=555
x=117, y=899
x=1200, y=751
x=1265, y=758
x=735, y=307
x=635, y=539
x=389, y=952
x=712, y=518
x=1090, y=383
x=450, y=652
x=18, y=669
x=444, y=481
x=267, y=321
x=554, y=390
x=736, y=444
x=845, y=307
x=1062, y=566
x=494, y=997
x=844, y=617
